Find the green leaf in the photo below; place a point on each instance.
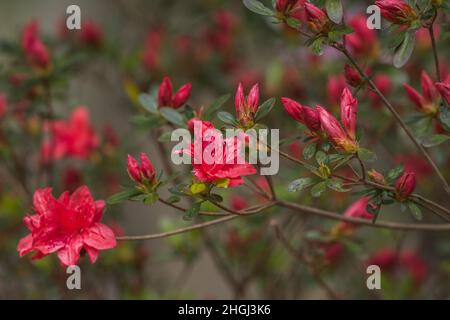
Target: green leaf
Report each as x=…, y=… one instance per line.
x=334, y=10
x=257, y=7
x=395, y=173
x=318, y=189
x=148, y=102
x=415, y=210
x=293, y=23
x=264, y=109
x=444, y=117
x=216, y=105
x=173, y=199
x=366, y=155
x=434, y=140
x=122, y=196
x=403, y=52
x=146, y=122
x=151, y=198
x=172, y=116
x=336, y=185
x=309, y=150
x=316, y=46
x=321, y=157
x=300, y=184
x=193, y=211
x=226, y=117
x=165, y=137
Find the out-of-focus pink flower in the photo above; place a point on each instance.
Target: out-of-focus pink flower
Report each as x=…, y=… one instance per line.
x=72, y=138
x=415, y=163
x=246, y=107
x=333, y=252
x=3, y=105
x=152, y=47
x=91, y=34
x=335, y=85
x=167, y=99
x=363, y=41
x=110, y=136
x=303, y=114
x=316, y=18
x=238, y=203
x=352, y=76
x=388, y=258
x=427, y=101
x=444, y=89
x=35, y=50
x=219, y=36
x=349, y=111
x=423, y=40
x=222, y=168
x=141, y=173
x=357, y=209
x=383, y=83
x=72, y=179
x=405, y=185
x=66, y=225
x=397, y=11
x=295, y=149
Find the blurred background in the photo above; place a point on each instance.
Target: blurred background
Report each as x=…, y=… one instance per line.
x=127, y=47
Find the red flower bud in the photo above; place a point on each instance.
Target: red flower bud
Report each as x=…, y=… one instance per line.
x=165, y=98
x=133, y=169
x=352, y=76
x=349, y=111
x=405, y=185
x=428, y=89
x=246, y=107
x=317, y=19
x=33, y=47
x=303, y=114
x=444, y=89
x=376, y=176
x=397, y=11
x=425, y=102
x=147, y=169
x=182, y=96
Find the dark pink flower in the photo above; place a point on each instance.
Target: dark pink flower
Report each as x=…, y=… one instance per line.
x=444, y=89
x=427, y=101
x=72, y=138
x=335, y=85
x=349, y=111
x=357, y=209
x=405, y=185
x=143, y=172
x=363, y=41
x=246, y=107
x=66, y=225
x=151, y=57
x=35, y=51
x=317, y=19
x=166, y=97
x=397, y=11
x=303, y=114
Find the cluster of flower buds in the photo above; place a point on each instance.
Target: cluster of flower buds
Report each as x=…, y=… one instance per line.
x=444, y=89
x=34, y=49
x=166, y=98
x=427, y=102
x=405, y=185
x=317, y=19
x=141, y=173
x=397, y=11
x=246, y=107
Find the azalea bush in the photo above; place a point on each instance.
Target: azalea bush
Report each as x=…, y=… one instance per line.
x=364, y=128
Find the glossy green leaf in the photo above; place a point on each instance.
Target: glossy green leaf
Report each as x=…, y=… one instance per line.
x=318, y=189
x=216, y=105
x=172, y=116
x=265, y=109
x=300, y=184
x=435, y=140
x=257, y=7
x=403, y=52
x=334, y=10
x=226, y=117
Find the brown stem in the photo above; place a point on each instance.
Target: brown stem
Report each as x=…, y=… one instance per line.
x=433, y=45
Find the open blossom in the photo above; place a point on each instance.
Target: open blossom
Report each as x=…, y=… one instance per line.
x=342, y=138
x=397, y=11
x=303, y=114
x=35, y=50
x=444, y=89
x=72, y=138
x=3, y=105
x=217, y=160
x=362, y=41
x=246, y=107
x=427, y=101
x=317, y=19
x=405, y=185
x=389, y=258
x=166, y=98
x=143, y=172
x=66, y=225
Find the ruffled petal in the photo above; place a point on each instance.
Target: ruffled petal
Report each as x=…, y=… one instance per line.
x=70, y=254
x=92, y=253
x=25, y=245
x=100, y=237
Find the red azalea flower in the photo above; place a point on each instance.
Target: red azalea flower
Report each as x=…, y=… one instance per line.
x=349, y=111
x=91, y=34
x=317, y=19
x=72, y=138
x=397, y=11
x=427, y=101
x=363, y=41
x=66, y=225
x=165, y=97
x=226, y=170
x=146, y=171
x=357, y=209
x=335, y=85
x=246, y=108
x=35, y=50
x=405, y=185
x=303, y=114
x=444, y=89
